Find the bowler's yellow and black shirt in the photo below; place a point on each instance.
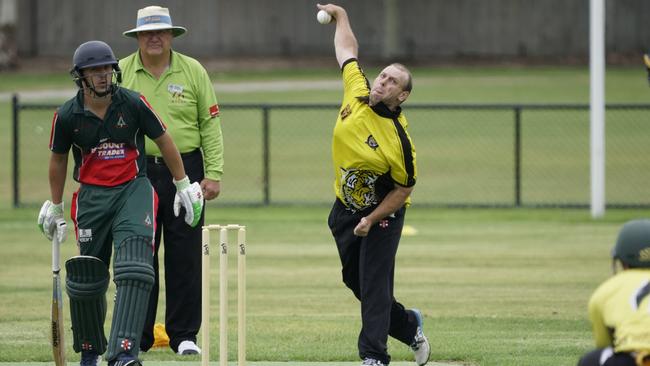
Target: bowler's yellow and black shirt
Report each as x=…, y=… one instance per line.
x=371, y=149
x=619, y=311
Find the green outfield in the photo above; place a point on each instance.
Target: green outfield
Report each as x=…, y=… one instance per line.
x=463, y=155
x=434, y=84
x=498, y=287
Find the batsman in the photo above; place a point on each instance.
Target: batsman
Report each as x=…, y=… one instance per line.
x=114, y=209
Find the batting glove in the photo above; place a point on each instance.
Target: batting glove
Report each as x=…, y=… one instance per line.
x=51, y=221
x=190, y=196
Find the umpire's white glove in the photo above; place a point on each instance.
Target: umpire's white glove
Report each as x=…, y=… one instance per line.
x=190, y=196
x=50, y=220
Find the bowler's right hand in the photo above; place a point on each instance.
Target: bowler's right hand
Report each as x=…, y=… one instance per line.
x=331, y=9
x=51, y=221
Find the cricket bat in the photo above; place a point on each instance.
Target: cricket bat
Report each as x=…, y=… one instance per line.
x=58, y=345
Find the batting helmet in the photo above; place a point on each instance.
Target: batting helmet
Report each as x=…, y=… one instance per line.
x=633, y=244
x=92, y=54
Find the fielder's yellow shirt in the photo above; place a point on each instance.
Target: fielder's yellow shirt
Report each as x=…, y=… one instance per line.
x=371, y=148
x=619, y=311
x=184, y=98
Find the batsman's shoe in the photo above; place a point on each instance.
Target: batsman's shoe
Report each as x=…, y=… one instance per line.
x=188, y=348
x=372, y=362
x=89, y=358
x=125, y=359
x=420, y=346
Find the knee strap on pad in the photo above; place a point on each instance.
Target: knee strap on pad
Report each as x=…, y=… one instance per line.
x=134, y=277
x=86, y=283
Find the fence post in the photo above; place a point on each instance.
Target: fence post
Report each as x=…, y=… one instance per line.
x=517, y=110
x=266, y=155
x=14, y=108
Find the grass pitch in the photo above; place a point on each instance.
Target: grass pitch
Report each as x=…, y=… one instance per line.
x=497, y=287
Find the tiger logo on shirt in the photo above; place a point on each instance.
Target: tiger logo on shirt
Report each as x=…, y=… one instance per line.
x=358, y=188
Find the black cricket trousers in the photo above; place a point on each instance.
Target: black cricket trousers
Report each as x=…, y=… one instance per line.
x=606, y=357
x=368, y=268
x=182, y=257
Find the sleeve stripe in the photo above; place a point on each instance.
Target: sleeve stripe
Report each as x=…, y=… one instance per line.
x=146, y=103
x=54, y=120
x=350, y=60
x=347, y=62
x=407, y=152
x=364, y=78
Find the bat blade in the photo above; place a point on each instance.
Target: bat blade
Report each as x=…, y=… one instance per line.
x=58, y=344
x=58, y=347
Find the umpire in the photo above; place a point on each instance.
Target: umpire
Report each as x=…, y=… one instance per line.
x=180, y=90
x=374, y=164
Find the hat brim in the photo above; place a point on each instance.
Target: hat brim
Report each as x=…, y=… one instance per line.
x=176, y=30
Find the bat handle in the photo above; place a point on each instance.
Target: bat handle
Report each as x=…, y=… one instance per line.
x=55, y=254
x=55, y=249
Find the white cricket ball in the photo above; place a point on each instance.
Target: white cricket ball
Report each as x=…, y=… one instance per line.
x=323, y=17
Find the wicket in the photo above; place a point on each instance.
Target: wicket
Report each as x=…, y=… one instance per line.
x=223, y=294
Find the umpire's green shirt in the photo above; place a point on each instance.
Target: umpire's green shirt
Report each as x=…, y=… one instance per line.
x=184, y=98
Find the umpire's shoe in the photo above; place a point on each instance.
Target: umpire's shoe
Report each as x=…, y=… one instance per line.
x=125, y=359
x=420, y=345
x=90, y=358
x=188, y=347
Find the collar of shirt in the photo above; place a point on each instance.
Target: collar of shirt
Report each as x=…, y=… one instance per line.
x=78, y=106
x=173, y=64
x=382, y=110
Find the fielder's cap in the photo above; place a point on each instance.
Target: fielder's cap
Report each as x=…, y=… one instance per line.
x=154, y=18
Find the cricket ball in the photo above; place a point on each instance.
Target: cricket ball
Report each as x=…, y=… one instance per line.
x=323, y=17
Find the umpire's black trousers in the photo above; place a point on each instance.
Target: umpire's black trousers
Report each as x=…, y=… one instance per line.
x=368, y=267
x=182, y=257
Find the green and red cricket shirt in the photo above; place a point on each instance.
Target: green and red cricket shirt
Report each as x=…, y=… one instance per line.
x=106, y=152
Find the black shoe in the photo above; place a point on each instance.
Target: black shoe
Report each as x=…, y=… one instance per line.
x=124, y=359
x=90, y=358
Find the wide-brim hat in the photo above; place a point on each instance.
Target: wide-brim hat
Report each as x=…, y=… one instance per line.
x=154, y=18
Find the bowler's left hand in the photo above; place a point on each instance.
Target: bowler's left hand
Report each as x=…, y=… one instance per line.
x=363, y=227
x=211, y=188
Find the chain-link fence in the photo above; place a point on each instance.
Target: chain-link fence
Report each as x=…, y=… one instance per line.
x=467, y=155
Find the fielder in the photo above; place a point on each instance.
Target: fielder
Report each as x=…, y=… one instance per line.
x=115, y=205
x=374, y=164
x=619, y=310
